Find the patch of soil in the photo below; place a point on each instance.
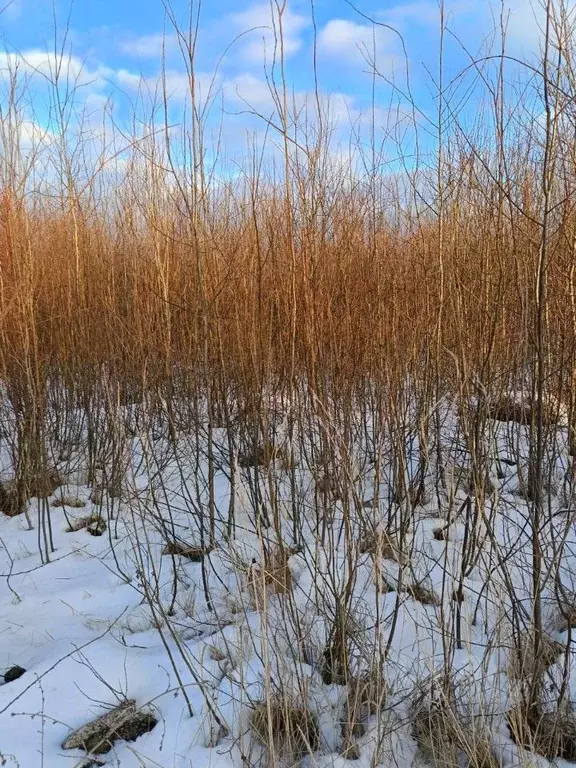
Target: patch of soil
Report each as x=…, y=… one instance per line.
x=194, y=554
x=13, y=674
x=125, y=723
x=94, y=524
x=422, y=594
x=96, y=527
x=441, y=534
x=263, y=456
x=74, y=502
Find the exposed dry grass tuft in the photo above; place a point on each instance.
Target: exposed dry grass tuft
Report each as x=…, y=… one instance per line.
x=11, y=501
x=422, y=594
x=526, y=664
x=285, y=729
x=365, y=696
x=551, y=734
x=446, y=741
x=384, y=545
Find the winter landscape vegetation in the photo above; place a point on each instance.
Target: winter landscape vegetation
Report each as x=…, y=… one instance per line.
x=288, y=384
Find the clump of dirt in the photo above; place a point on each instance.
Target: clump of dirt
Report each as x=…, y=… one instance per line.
x=125, y=722
x=422, y=594
x=74, y=502
x=94, y=524
x=194, y=554
x=13, y=674
x=96, y=527
x=263, y=456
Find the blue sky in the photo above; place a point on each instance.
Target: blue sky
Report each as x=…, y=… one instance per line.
x=114, y=52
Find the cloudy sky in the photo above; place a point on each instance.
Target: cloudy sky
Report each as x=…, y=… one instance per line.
x=115, y=51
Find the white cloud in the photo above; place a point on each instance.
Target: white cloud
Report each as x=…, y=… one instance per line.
x=177, y=84
x=524, y=19
x=148, y=46
x=527, y=21
x=250, y=92
x=65, y=67
x=421, y=12
x=341, y=112
x=129, y=80
x=33, y=135
x=262, y=23
x=349, y=41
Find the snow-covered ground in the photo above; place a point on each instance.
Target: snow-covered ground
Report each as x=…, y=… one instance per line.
x=200, y=641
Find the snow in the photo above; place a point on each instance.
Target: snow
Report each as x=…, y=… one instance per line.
x=110, y=617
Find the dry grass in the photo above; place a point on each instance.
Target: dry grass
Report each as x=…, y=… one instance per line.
x=285, y=730
x=383, y=545
x=365, y=697
x=444, y=739
x=277, y=574
x=422, y=594
x=11, y=500
x=551, y=734
x=273, y=578
x=521, y=409
x=526, y=663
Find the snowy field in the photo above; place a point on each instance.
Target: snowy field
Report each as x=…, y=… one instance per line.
x=208, y=594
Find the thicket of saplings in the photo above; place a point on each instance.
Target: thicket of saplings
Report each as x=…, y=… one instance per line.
x=342, y=341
